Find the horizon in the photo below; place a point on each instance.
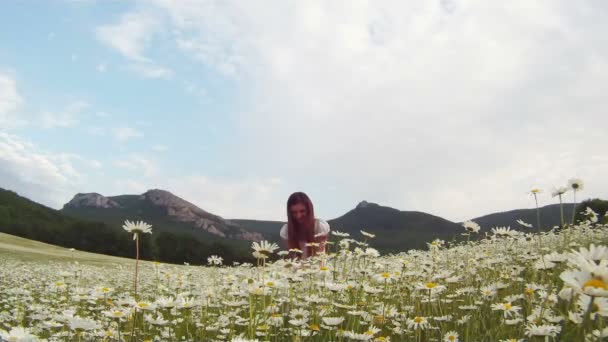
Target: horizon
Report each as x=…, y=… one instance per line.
x=327, y=218
x=456, y=109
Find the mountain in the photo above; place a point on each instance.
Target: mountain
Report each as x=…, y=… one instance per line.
x=25, y=218
x=395, y=230
x=171, y=241
x=549, y=217
x=162, y=209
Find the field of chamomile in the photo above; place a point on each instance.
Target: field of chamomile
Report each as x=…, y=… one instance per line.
x=507, y=285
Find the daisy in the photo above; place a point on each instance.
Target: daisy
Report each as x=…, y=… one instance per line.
x=214, y=260
x=591, y=280
x=417, y=322
x=558, y=191
x=332, y=321
x=542, y=330
x=576, y=184
x=471, y=226
x=137, y=228
x=450, y=336
x=159, y=320
x=369, y=235
x=524, y=224
x=264, y=247
x=18, y=334
x=81, y=324
x=507, y=308
x=504, y=232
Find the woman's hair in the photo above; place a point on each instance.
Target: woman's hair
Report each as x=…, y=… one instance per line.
x=304, y=231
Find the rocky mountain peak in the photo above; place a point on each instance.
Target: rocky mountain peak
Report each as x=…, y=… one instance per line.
x=365, y=204
x=184, y=211
x=91, y=200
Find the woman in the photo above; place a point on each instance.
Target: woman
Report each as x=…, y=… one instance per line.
x=302, y=227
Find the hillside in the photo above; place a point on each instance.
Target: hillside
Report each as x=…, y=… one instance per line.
x=22, y=217
x=549, y=217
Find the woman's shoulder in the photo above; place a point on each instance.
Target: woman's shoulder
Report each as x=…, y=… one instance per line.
x=321, y=226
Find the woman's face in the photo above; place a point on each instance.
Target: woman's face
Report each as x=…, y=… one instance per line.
x=299, y=212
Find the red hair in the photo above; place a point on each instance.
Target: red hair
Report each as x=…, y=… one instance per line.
x=305, y=231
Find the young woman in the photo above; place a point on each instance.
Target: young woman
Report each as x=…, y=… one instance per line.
x=302, y=227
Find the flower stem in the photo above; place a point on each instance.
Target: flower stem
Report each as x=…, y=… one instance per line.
x=574, y=207
x=136, y=262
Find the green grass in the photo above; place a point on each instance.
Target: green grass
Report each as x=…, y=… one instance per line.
x=30, y=250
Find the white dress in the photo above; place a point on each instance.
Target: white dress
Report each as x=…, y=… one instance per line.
x=321, y=229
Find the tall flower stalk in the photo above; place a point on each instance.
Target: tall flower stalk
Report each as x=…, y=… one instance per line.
x=534, y=192
x=575, y=184
x=137, y=228
x=559, y=192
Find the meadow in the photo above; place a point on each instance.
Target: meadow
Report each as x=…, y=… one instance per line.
x=507, y=285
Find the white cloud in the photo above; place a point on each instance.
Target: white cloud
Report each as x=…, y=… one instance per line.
x=10, y=101
x=231, y=198
x=130, y=35
x=150, y=70
x=143, y=166
x=125, y=133
x=455, y=110
x=48, y=178
x=68, y=117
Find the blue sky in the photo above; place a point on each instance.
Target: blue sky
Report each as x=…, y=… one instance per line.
x=449, y=107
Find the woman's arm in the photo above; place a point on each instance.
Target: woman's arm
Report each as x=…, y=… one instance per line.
x=321, y=241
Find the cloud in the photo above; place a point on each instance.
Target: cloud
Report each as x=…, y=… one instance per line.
x=150, y=70
x=130, y=35
x=141, y=165
x=48, y=178
x=457, y=110
x=245, y=198
x=68, y=117
x=125, y=133
x=10, y=101
x=101, y=67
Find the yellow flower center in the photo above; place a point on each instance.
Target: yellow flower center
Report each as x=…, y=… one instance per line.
x=142, y=305
x=507, y=306
x=430, y=285
x=596, y=283
x=270, y=284
x=529, y=291
x=386, y=275
x=324, y=268
x=118, y=313
x=451, y=338
x=105, y=289
x=418, y=319
x=314, y=327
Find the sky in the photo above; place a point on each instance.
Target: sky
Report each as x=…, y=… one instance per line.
x=456, y=108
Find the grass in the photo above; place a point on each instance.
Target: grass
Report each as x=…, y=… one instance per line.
x=29, y=250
